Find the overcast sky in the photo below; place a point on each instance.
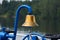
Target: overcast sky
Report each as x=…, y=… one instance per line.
x=0, y=1
x=9, y=0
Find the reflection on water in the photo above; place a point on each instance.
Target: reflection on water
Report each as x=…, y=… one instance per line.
x=22, y=34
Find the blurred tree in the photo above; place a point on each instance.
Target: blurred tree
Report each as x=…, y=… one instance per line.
x=46, y=11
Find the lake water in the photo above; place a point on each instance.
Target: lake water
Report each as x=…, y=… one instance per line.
x=22, y=34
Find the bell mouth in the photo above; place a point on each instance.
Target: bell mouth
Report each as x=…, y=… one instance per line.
x=30, y=24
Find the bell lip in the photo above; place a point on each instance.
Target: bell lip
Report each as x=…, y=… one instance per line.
x=30, y=26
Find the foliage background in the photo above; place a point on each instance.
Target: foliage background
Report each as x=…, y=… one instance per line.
x=47, y=14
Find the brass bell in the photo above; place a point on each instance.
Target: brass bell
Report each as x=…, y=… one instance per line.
x=30, y=21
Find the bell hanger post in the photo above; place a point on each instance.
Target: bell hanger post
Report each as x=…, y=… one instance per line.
x=17, y=16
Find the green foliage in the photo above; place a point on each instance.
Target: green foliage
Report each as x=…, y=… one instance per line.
x=47, y=14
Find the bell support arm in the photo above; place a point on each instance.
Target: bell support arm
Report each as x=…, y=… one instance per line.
x=17, y=16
